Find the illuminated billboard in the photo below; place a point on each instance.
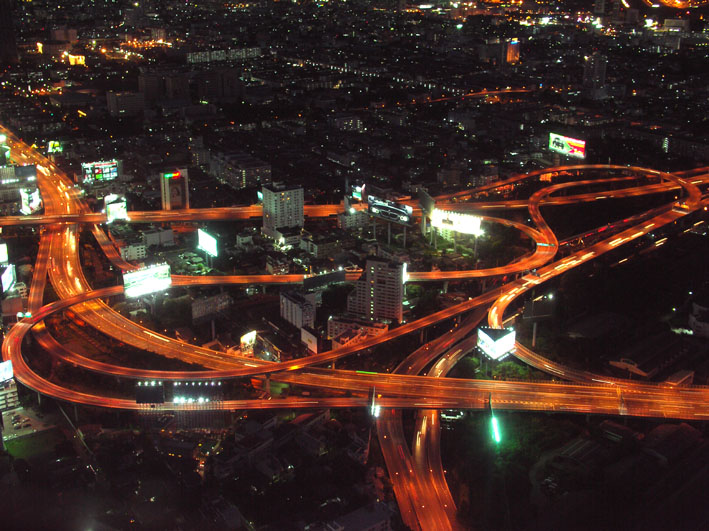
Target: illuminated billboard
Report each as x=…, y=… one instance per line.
x=455, y=221
x=6, y=371
x=115, y=207
x=30, y=201
x=8, y=278
x=358, y=192
x=390, y=210
x=3, y=253
x=147, y=280
x=54, y=146
x=248, y=341
x=100, y=171
x=571, y=147
x=496, y=342
x=207, y=243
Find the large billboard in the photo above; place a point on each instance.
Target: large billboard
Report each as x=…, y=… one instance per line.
x=455, y=221
x=54, y=146
x=30, y=201
x=210, y=306
x=147, y=280
x=100, y=171
x=571, y=147
x=495, y=342
x=8, y=278
x=426, y=201
x=390, y=210
x=115, y=207
x=6, y=371
x=207, y=243
x=3, y=253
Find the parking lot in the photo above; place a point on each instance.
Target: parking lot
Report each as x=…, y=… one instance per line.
x=20, y=422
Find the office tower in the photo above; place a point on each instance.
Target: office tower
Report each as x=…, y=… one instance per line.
x=282, y=207
x=379, y=292
x=8, y=45
x=594, y=75
x=599, y=7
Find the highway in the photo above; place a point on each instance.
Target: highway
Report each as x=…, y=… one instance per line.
x=421, y=489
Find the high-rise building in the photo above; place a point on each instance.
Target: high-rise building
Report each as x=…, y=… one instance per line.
x=594, y=75
x=379, y=292
x=282, y=207
x=8, y=45
x=175, y=189
x=298, y=308
x=125, y=103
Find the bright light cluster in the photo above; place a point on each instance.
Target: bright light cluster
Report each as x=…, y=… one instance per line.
x=456, y=221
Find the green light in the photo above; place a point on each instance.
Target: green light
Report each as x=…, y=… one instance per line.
x=496, y=430
x=366, y=372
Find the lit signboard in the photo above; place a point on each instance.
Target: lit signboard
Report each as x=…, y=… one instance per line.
x=389, y=210
x=53, y=146
x=30, y=201
x=8, y=278
x=248, y=341
x=358, y=192
x=100, y=171
x=455, y=221
x=3, y=253
x=147, y=280
x=571, y=147
x=6, y=371
x=115, y=207
x=207, y=243
x=496, y=343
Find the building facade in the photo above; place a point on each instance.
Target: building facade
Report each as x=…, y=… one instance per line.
x=379, y=292
x=282, y=207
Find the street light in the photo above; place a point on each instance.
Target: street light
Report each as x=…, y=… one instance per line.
x=495, y=430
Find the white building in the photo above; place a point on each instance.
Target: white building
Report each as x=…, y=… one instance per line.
x=159, y=237
x=338, y=325
x=240, y=170
x=282, y=207
x=133, y=251
x=379, y=292
x=298, y=308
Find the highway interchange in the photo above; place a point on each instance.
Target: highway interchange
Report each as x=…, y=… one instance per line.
x=417, y=474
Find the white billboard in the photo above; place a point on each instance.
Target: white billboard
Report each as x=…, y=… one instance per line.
x=496, y=342
x=207, y=243
x=8, y=278
x=6, y=371
x=3, y=253
x=571, y=147
x=31, y=201
x=456, y=221
x=116, y=207
x=147, y=280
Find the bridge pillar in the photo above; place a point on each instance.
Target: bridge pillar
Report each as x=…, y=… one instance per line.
x=445, y=287
x=39, y=399
x=404, y=236
x=267, y=384
x=389, y=233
